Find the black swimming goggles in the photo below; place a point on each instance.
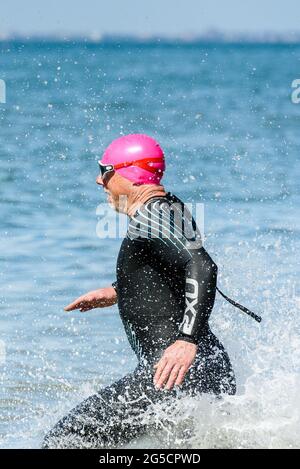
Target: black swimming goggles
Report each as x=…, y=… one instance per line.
x=144, y=163
x=105, y=169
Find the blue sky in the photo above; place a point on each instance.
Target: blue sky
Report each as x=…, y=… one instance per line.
x=170, y=17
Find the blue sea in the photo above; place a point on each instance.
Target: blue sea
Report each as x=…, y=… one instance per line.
x=231, y=134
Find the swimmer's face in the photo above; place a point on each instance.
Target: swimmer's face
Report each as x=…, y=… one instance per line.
x=117, y=189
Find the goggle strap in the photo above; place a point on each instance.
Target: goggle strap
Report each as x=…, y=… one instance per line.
x=143, y=163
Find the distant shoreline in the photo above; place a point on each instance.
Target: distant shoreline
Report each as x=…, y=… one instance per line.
x=272, y=38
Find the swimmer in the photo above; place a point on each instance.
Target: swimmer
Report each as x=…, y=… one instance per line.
x=165, y=289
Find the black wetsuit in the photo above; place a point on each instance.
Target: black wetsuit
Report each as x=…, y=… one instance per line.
x=166, y=285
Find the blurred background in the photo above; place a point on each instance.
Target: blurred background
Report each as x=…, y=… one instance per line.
x=212, y=81
x=94, y=19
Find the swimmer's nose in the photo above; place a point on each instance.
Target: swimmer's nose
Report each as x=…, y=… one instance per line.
x=99, y=181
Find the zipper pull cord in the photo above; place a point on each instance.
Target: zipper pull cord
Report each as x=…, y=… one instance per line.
x=241, y=307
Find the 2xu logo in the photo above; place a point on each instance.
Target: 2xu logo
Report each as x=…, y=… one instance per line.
x=295, y=97
x=191, y=297
x=2, y=92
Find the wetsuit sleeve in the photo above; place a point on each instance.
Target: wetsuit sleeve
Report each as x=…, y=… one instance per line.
x=200, y=285
x=115, y=286
x=200, y=292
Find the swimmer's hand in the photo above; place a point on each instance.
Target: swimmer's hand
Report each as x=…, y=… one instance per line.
x=94, y=299
x=174, y=364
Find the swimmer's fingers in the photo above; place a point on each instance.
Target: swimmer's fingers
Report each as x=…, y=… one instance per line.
x=83, y=309
x=159, y=368
x=159, y=365
x=76, y=304
x=172, y=377
x=94, y=299
x=181, y=375
x=164, y=375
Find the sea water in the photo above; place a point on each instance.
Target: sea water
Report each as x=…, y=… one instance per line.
x=224, y=115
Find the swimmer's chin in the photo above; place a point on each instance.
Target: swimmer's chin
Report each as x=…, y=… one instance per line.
x=111, y=203
x=114, y=206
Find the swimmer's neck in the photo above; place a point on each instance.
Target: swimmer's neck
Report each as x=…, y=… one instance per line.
x=139, y=195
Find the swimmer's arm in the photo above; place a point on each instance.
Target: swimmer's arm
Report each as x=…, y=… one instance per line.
x=200, y=291
x=101, y=298
x=200, y=283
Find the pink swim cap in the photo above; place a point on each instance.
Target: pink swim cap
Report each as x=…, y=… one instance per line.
x=143, y=152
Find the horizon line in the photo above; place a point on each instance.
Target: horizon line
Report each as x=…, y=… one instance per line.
x=264, y=37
